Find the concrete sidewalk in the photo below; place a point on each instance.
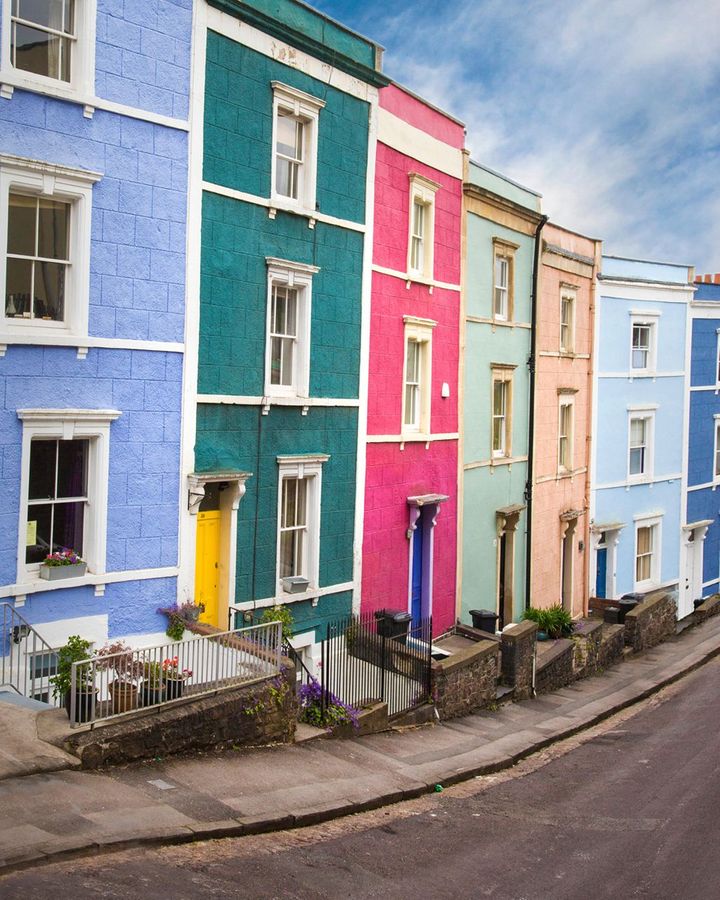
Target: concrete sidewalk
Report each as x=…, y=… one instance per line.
x=46, y=816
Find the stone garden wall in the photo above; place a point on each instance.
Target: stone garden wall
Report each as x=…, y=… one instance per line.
x=518, y=654
x=651, y=622
x=465, y=681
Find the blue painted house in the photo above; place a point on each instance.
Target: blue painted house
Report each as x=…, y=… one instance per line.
x=703, y=499
x=94, y=104
x=639, y=531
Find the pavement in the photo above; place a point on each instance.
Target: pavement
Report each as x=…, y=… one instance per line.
x=51, y=815
x=22, y=752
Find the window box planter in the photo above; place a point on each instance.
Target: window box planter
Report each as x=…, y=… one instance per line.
x=59, y=573
x=295, y=584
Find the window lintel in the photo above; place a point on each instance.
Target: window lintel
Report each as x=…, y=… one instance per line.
x=301, y=102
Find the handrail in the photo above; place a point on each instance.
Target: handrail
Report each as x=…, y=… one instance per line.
x=27, y=659
x=292, y=654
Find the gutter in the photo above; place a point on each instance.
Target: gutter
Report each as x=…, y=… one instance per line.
x=531, y=415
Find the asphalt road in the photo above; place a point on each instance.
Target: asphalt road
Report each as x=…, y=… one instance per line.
x=634, y=811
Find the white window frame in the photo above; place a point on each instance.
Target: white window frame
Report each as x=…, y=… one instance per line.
x=299, y=276
x=81, y=86
x=717, y=359
x=306, y=108
x=503, y=249
x=648, y=414
x=567, y=401
x=310, y=467
x=568, y=293
x=716, y=449
x=502, y=374
x=649, y=320
x=420, y=332
x=38, y=179
x=70, y=424
x=655, y=523
x=422, y=191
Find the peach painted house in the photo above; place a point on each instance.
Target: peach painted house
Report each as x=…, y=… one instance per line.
x=410, y=517
x=562, y=413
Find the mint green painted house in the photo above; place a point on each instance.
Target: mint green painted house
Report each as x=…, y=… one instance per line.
x=501, y=220
x=283, y=144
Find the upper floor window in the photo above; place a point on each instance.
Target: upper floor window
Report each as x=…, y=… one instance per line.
x=503, y=279
x=417, y=375
x=49, y=45
x=289, y=304
x=640, y=449
x=565, y=434
x=567, y=321
x=45, y=232
x=501, y=438
x=643, y=346
x=295, y=141
x=298, y=539
x=422, y=227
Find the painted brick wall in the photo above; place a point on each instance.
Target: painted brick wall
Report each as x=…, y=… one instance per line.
x=238, y=129
x=142, y=54
x=237, y=237
x=392, y=477
x=705, y=504
x=229, y=436
x=392, y=212
x=704, y=351
x=137, y=267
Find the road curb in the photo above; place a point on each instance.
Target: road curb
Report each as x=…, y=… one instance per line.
x=245, y=826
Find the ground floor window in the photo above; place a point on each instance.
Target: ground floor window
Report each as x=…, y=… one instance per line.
x=298, y=541
x=647, y=553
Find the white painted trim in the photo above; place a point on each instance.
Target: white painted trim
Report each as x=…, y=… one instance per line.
x=411, y=438
x=710, y=583
x=559, y=354
x=413, y=278
x=364, y=381
x=304, y=109
x=708, y=309
x=645, y=313
x=658, y=479
x=649, y=321
x=397, y=134
x=279, y=203
x=633, y=290
x=257, y=40
x=706, y=387
x=422, y=191
x=40, y=586
x=642, y=407
x=645, y=413
x=565, y=471
x=568, y=292
x=308, y=468
x=420, y=332
x=654, y=521
x=188, y=523
x=285, y=599
x=641, y=373
x=500, y=323
x=710, y=485
x=87, y=341
x=496, y=463
x=245, y=400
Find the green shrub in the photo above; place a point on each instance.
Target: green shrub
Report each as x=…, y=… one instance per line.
x=555, y=621
x=280, y=614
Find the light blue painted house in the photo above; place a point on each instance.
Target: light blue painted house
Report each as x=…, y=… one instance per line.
x=703, y=500
x=94, y=101
x=639, y=531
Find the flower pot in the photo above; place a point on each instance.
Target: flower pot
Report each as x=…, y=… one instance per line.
x=174, y=688
x=85, y=702
x=152, y=695
x=124, y=696
x=542, y=636
x=58, y=573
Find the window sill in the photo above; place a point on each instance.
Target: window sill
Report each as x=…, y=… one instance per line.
x=12, y=334
x=283, y=597
x=415, y=278
x=279, y=204
x=37, y=585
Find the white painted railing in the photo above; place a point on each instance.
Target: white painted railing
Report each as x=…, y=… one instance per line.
x=117, y=684
x=27, y=661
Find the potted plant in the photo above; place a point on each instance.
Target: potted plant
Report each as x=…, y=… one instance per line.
x=65, y=563
x=153, y=686
x=76, y=650
x=174, y=678
x=119, y=659
x=179, y=615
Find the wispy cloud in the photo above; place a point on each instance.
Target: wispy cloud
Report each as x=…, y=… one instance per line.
x=610, y=109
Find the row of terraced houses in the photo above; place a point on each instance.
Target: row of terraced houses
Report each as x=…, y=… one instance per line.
x=271, y=336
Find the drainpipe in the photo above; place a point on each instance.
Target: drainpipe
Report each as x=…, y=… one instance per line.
x=531, y=416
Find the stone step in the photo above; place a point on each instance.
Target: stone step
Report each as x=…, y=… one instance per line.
x=504, y=694
x=304, y=732
x=25, y=702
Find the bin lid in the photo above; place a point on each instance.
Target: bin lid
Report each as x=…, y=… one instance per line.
x=401, y=616
x=638, y=598
x=487, y=613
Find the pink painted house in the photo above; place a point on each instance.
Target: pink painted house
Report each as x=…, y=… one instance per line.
x=410, y=516
x=563, y=420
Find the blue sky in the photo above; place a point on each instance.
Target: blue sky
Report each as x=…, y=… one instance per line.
x=609, y=108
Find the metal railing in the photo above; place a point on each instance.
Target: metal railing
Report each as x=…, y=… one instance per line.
x=27, y=661
x=114, y=684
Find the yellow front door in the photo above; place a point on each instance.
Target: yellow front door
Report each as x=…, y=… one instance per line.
x=207, y=572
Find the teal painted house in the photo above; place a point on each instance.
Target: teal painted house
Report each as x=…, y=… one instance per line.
x=501, y=221
x=282, y=149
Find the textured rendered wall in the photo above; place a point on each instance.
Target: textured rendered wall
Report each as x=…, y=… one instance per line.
x=552, y=495
x=238, y=129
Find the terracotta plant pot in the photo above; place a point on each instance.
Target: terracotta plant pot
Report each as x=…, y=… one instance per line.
x=124, y=696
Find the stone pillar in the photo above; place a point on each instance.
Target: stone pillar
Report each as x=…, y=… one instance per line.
x=518, y=657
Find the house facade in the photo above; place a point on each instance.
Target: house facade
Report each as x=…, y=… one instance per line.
x=94, y=108
x=562, y=432
x=410, y=517
x=284, y=124
x=501, y=221
x=702, y=567
x=638, y=515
